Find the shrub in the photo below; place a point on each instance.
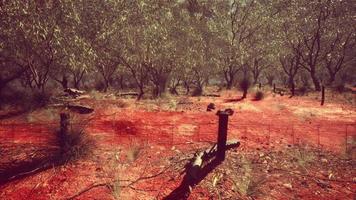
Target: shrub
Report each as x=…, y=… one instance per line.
x=40, y=99
x=121, y=104
x=133, y=152
x=197, y=92
x=12, y=96
x=99, y=86
x=340, y=88
x=303, y=90
x=26, y=99
x=259, y=95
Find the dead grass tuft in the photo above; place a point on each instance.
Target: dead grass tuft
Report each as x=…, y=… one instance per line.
x=76, y=145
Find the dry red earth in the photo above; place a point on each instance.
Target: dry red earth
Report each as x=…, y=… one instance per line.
x=291, y=148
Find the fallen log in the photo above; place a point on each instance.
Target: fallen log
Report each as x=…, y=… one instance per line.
x=128, y=94
x=280, y=91
x=73, y=92
x=80, y=109
x=211, y=95
x=197, y=169
x=197, y=162
x=74, y=108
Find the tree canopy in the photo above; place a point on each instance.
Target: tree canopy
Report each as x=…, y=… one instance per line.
x=165, y=43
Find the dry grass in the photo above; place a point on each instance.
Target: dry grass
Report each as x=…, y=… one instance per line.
x=303, y=156
x=279, y=107
x=244, y=106
x=133, y=151
x=249, y=182
x=76, y=145
x=42, y=115
x=186, y=129
x=307, y=113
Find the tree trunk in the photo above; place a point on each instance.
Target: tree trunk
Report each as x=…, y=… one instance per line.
x=255, y=80
x=292, y=89
x=322, y=95
x=244, y=95
x=331, y=79
x=229, y=78
x=107, y=85
x=121, y=81
x=229, y=85
x=76, y=85
x=64, y=82
x=42, y=88
x=1, y=88
x=173, y=90
x=315, y=81
x=187, y=87
x=156, y=91
x=140, y=94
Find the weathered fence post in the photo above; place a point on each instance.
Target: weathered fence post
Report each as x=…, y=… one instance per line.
x=269, y=134
x=172, y=134
x=64, y=123
x=63, y=131
x=322, y=95
x=222, y=133
x=274, y=88
x=293, y=135
x=319, y=137
x=346, y=145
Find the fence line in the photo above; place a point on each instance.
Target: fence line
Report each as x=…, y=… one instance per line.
x=332, y=137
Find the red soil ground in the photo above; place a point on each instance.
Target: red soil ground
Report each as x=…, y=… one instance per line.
x=165, y=130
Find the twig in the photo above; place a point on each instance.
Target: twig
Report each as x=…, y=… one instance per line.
x=314, y=177
x=89, y=188
x=109, y=184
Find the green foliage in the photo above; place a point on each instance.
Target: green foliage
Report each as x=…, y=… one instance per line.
x=155, y=41
x=26, y=99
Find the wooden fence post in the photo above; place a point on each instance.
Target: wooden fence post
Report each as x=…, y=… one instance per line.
x=222, y=133
x=64, y=123
x=322, y=95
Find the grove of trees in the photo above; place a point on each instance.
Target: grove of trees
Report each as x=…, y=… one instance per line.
x=157, y=45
